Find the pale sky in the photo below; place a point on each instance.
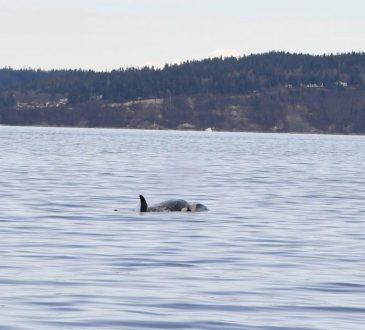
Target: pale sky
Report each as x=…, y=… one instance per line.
x=109, y=34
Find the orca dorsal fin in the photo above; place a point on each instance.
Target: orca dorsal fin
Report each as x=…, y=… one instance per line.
x=144, y=205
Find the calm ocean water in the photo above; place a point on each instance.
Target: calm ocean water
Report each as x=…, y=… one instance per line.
x=282, y=247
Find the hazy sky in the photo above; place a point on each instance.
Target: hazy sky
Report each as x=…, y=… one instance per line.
x=107, y=34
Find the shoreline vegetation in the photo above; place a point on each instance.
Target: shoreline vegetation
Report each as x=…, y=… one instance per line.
x=271, y=92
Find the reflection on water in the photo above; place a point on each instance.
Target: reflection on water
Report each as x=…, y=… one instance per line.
x=282, y=246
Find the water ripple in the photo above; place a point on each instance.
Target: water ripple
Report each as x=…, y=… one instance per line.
x=281, y=247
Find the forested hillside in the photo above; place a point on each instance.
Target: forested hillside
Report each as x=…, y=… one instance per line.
x=274, y=91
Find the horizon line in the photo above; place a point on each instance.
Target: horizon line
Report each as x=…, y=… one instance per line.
x=170, y=64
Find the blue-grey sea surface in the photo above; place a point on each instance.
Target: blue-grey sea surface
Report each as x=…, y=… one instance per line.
x=281, y=247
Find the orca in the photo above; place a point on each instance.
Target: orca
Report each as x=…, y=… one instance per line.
x=171, y=205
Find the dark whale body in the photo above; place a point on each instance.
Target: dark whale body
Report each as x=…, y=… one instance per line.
x=172, y=205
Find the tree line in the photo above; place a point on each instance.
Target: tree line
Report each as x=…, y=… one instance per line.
x=223, y=76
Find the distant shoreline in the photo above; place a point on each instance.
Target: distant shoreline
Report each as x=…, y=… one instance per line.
x=274, y=92
x=185, y=130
